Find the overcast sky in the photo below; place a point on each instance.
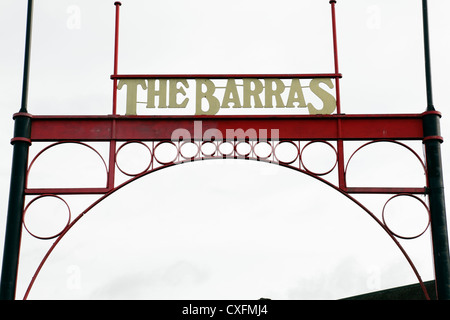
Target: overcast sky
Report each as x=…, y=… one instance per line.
x=223, y=229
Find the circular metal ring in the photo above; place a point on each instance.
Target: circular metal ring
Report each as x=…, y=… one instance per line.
x=238, y=153
x=133, y=174
x=160, y=144
x=40, y=197
x=318, y=173
x=204, y=143
x=191, y=158
x=412, y=196
x=286, y=162
x=259, y=157
x=224, y=154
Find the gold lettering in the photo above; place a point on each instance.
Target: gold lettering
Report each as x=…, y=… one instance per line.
x=249, y=92
x=174, y=90
x=132, y=85
x=173, y=93
x=329, y=102
x=296, y=95
x=152, y=93
x=271, y=92
x=231, y=95
x=213, y=102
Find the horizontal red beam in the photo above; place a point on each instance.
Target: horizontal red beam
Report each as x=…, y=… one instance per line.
x=87, y=190
x=294, y=127
x=226, y=76
x=358, y=190
x=387, y=190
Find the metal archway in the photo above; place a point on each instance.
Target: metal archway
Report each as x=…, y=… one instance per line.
x=384, y=226
x=157, y=130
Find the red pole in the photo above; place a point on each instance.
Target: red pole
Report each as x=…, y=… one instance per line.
x=335, y=50
x=116, y=53
x=340, y=143
x=112, y=144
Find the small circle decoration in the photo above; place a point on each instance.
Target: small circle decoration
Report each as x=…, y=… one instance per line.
x=286, y=152
x=208, y=148
x=226, y=148
x=410, y=216
x=136, y=157
x=243, y=149
x=165, y=152
x=189, y=150
x=46, y=216
x=310, y=146
x=263, y=150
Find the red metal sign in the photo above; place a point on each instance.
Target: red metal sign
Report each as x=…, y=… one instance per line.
x=227, y=132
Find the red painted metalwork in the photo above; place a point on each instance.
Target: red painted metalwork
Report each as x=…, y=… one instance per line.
x=340, y=146
x=116, y=56
x=290, y=128
x=57, y=234
x=365, y=190
x=112, y=144
x=335, y=54
x=420, y=201
x=14, y=140
x=99, y=190
x=319, y=173
x=128, y=173
x=226, y=76
x=294, y=129
x=143, y=174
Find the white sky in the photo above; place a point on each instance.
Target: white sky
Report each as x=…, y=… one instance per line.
x=231, y=229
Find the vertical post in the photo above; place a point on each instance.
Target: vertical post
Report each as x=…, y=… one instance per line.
x=432, y=141
x=21, y=143
x=116, y=55
x=340, y=142
x=335, y=54
x=112, y=143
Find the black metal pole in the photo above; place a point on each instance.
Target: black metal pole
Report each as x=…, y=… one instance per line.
x=432, y=141
x=21, y=143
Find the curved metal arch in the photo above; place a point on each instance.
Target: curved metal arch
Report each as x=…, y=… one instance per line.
x=143, y=174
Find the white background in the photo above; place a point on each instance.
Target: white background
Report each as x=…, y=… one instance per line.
x=231, y=229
